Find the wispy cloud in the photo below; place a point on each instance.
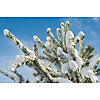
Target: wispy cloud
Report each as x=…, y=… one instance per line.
x=5, y=60
x=28, y=43
x=95, y=19
x=93, y=34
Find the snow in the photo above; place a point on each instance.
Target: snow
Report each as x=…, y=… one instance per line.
x=58, y=29
x=14, y=64
x=81, y=34
x=94, y=61
x=76, y=53
x=62, y=24
x=6, y=32
x=35, y=38
x=69, y=35
x=48, y=30
x=79, y=62
x=32, y=55
x=59, y=51
x=46, y=63
x=48, y=38
x=47, y=44
x=58, y=33
x=62, y=80
x=76, y=39
x=69, y=39
x=73, y=65
x=38, y=77
x=67, y=22
x=94, y=78
x=10, y=75
x=87, y=72
x=65, y=67
x=79, y=37
x=19, y=59
x=66, y=55
x=33, y=71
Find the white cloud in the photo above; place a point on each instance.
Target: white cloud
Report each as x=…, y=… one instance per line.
x=28, y=43
x=95, y=19
x=93, y=33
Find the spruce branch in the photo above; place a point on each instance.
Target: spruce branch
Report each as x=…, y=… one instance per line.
x=16, y=42
x=59, y=36
x=63, y=33
x=81, y=45
x=98, y=72
x=36, y=51
x=72, y=66
x=9, y=75
x=67, y=26
x=41, y=43
x=21, y=78
x=88, y=51
x=53, y=39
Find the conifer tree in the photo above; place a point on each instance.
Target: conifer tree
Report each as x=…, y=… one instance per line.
x=62, y=60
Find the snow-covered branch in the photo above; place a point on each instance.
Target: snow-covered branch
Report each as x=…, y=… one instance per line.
x=9, y=74
x=62, y=60
x=16, y=42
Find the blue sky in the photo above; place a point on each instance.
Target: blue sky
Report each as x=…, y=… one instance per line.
x=25, y=28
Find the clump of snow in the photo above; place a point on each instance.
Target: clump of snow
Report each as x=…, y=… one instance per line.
x=87, y=72
x=69, y=39
x=48, y=38
x=62, y=24
x=47, y=44
x=33, y=71
x=58, y=33
x=46, y=63
x=73, y=65
x=81, y=34
x=69, y=35
x=67, y=22
x=10, y=75
x=32, y=55
x=79, y=61
x=94, y=61
x=19, y=59
x=35, y=38
x=38, y=78
x=6, y=32
x=48, y=30
x=58, y=29
x=77, y=39
x=59, y=51
x=13, y=66
x=76, y=53
x=62, y=80
x=65, y=67
x=18, y=62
